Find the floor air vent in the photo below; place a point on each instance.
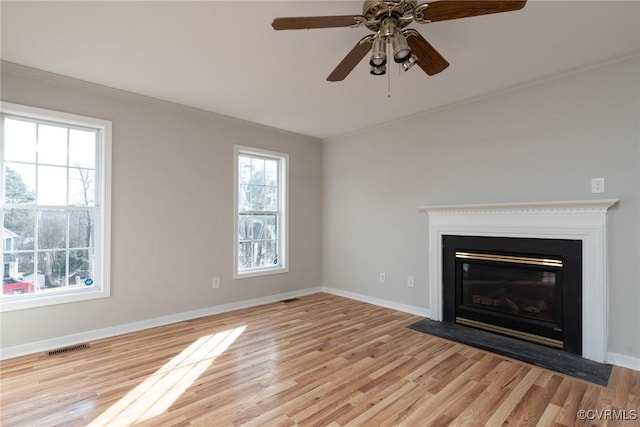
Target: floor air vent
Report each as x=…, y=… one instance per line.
x=67, y=349
x=290, y=300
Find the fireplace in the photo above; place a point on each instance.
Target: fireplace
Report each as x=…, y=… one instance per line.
x=581, y=220
x=526, y=288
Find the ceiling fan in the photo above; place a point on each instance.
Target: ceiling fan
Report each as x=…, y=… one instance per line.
x=387, y=18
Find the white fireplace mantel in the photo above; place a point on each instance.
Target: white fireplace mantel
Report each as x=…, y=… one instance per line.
x=584, y=220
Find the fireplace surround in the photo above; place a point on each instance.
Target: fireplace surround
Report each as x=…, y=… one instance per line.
x=583, y=221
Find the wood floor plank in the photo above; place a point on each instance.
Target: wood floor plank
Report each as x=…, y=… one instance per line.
x=321, y=360
x=549, y=414
x=568, y=411
x=533, y=403
x=480, y=409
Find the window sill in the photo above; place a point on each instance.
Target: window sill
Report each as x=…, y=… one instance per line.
x=35, y=301
x=260, y=272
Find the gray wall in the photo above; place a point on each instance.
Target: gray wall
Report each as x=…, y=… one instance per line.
x=353, y=200
x=172, y=216
x=540, y=143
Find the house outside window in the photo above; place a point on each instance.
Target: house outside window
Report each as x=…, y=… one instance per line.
x=260, y=214
x=55, y=207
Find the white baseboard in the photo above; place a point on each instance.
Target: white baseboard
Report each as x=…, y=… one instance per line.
x=50, y=344
x=623, y=360
x=411, y=309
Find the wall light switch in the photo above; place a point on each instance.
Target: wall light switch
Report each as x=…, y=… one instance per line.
x=597, y=185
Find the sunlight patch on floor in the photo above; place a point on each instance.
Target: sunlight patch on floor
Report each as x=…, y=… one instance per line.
x=158, y=392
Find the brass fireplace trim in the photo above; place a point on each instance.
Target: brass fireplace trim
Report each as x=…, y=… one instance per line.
x=506, y=331
x=510, y=259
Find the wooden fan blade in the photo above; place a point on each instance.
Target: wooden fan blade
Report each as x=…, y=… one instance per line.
x=307, y=22
x=454, y=9
x=351, y=60
x=429, y=59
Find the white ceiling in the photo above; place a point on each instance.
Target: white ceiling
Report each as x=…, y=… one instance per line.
x=223, y=56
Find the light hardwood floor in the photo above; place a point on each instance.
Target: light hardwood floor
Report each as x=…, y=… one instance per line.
x=322, y=360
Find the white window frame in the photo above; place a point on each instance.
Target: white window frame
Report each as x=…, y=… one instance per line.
x=283, y=198
x=102, y=286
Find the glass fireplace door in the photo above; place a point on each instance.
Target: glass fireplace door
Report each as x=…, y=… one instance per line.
x=513, y=295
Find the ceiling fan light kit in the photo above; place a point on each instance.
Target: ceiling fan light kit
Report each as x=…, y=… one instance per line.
x=378, y=53
x=378, y=70
x=401, y=49
x=386, y=19
x=410, y=62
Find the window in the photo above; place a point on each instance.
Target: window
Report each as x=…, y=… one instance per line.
x=260, y=219
x=55, y=207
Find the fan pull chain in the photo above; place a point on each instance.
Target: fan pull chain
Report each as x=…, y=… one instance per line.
x=388, y=75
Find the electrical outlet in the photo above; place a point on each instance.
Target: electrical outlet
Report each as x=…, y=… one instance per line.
x=597, y=185
x=383, y=278
x=215, y=283
x=411, y=282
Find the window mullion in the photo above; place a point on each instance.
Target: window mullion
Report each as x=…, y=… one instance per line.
x=258, y=212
